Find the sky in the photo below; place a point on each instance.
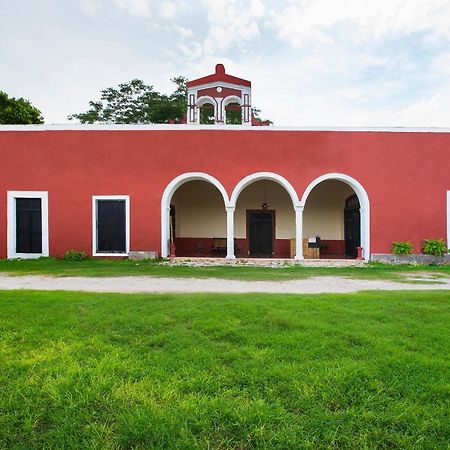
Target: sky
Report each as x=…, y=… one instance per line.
x=349, y=63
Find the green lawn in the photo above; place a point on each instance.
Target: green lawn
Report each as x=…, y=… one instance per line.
x=366, y=370
x=108, y=267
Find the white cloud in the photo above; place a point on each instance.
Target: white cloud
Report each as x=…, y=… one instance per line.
x=184, y=33
x=231, y=23
x=429, y=111
x=311, y=21
x=169, y=10
x=311, y=62
x=90, y=7
x=136, y=8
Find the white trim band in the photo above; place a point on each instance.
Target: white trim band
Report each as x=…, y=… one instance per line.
x=185, y=127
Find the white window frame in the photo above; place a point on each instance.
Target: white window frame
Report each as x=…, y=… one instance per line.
x=11, y=223
x=95, y=199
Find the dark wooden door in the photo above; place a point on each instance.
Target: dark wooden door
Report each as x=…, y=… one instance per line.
x=28, y=225
x=352, y=226
x=261, y=233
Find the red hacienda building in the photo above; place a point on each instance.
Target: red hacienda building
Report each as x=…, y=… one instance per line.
x=221, y=186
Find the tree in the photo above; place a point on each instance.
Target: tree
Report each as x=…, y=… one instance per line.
x=256, y=112
x=136, y=102
x=18, y=111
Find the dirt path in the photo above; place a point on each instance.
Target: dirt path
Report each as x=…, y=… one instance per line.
x=178, y=285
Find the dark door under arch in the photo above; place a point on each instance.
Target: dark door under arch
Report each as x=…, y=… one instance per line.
x=352, y=226
x=260, y=233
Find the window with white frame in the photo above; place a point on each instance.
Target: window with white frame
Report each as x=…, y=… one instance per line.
x=27, y=224
x=111, y=225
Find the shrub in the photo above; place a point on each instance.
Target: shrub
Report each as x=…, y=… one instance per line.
x=74, y=255
x=402, y=248
x=434, y=247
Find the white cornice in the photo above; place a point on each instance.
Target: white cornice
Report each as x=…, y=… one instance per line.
x=167, y=127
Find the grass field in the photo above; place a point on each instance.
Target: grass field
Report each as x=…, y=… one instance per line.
x=366, y=370
x=108, y=267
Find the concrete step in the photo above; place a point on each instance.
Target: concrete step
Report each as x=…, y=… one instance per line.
x=263, y=262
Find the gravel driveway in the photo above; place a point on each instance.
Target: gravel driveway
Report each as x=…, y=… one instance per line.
x=178, y=285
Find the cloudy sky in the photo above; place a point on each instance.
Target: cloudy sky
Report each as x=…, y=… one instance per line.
x=311, y=62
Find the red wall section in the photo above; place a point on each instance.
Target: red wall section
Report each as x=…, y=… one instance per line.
x=405, y=174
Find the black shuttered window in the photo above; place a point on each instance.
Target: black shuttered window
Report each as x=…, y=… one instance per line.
x=111, y=226
x=28, y=225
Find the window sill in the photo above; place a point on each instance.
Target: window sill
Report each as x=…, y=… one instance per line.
x=27, y=255
x=111, y=254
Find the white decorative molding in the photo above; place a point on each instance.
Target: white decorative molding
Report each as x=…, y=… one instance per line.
x=95, y=198
x=185, y=127
x=11, y=223
x=231, y=99
x=363, y=202
x=167, y=197
x=204, y=100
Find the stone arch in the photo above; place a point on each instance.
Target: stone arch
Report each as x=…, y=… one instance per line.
x=167, y=197
x=282, y=182
x=363, y=201
x=232, y=99
x=264, y=176
x=234, y=115
x=205, y=99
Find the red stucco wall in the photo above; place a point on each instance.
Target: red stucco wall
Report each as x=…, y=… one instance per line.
x=406, y=175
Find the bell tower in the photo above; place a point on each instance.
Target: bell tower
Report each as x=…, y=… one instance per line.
x=219, y=99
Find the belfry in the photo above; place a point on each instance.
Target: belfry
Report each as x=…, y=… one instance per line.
x=219, y=99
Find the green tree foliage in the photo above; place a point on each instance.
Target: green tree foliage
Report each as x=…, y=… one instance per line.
x=136, y=102
x=256, y=114
x=18, y=111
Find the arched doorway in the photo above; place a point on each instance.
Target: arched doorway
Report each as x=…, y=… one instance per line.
x=193, y=213
x=207, y=110
x=233, y=110
x=206, y=113
x=335, y=218
x=265, y=219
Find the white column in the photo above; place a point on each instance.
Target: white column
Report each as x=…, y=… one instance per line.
x=165, y=231
x=230, y=232
x=365, y=232
x=299, y=233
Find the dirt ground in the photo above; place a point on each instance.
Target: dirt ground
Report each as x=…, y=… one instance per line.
x=179, y=285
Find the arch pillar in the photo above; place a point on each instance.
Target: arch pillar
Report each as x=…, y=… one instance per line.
x=299, y=233
x=365, y=232
x=230, y=232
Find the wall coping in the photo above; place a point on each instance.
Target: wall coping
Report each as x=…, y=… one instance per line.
x=171, y=127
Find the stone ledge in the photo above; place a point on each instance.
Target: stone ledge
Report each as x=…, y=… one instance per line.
x=261, y=262
x=139, y=255
x=410, y=259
